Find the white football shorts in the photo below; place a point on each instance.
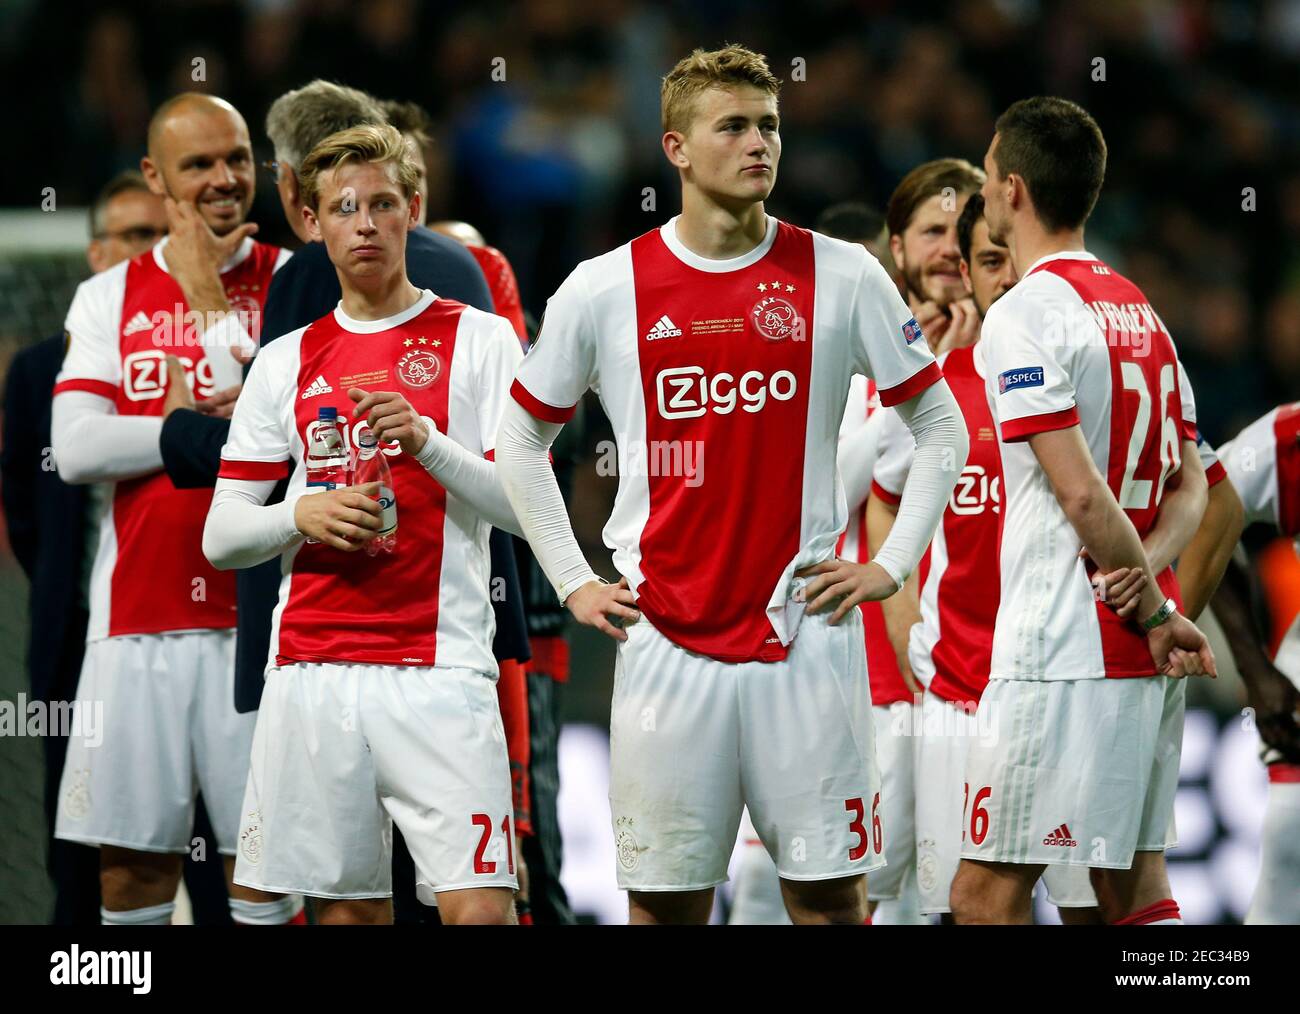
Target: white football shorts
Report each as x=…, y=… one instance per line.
x=157, y=725
x=693, y=740
x=948, y=730
x=1075, y=772
x=343, y=751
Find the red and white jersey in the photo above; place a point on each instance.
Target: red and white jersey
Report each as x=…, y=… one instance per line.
x=427, y=604
x=1076, y=343
x=1263, y=461
x=952, y=646
x=150, y=574
x=745, y=364
x=887, y=686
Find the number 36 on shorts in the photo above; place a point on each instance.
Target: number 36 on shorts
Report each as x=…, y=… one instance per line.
x=857, y=815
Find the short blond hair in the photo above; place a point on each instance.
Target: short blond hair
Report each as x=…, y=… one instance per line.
x=369, y=143
x=720, y=68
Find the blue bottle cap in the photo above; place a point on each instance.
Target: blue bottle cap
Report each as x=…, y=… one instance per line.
x=327, y=412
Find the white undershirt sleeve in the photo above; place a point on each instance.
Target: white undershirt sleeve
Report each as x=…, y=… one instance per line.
x=942, y=444
x=523, y=443
x=856, y=458
x=92, y=443
x=468, y=477
x=241, y=531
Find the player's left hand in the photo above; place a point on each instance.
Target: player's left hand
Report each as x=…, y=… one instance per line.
x=391, y=417
x=850, y=583
x=1179, y=649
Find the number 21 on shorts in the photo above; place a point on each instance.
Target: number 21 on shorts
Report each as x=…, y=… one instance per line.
x=858, y=814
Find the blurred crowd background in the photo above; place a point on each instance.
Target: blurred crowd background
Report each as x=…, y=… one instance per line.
x=546, y=137
x=1198, y=102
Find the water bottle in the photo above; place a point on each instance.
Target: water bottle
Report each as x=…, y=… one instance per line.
x=327, y=454
x=372, y=466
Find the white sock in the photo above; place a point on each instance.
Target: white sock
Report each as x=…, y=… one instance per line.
x=265, y=913
x=156, y=915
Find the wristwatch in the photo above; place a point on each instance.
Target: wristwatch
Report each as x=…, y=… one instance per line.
x=1166, y=610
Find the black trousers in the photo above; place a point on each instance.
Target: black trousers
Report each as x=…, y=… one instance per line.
x=544, y=851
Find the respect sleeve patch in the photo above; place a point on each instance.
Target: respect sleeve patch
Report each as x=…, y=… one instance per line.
x=1024, y=376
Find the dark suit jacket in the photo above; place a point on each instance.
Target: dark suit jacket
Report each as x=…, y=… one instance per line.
x=303, y=291
x=47, y=521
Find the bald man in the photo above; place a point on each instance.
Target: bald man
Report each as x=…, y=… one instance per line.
x=156, y=720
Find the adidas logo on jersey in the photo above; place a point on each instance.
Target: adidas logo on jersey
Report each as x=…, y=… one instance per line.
x=317, y=386
x=137, y=323
x=664, y=328
x=1061, y=836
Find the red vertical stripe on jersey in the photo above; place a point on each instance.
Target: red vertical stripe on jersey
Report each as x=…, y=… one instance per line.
x=379, y=609
x=1118, y=306
x=725, y=362
x=1286, y=433
x=970, y=588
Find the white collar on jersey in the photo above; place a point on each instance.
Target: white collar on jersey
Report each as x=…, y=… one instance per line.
x=384, y=323
x=240, y=255
x=1061, y=255
x=669, y=233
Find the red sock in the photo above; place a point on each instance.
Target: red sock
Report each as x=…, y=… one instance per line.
x=867, y=920
x=300, y=919
x=1164, y=912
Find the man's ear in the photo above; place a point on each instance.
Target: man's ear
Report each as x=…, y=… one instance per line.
x=95, y=256
x=673, y=141
x=153, y=177
x=287, y=181
x=414, y=212
x=896, y=249
x=313, y=224
x=965, y=276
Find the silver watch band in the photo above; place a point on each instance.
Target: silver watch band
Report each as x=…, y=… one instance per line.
x=1166, y=610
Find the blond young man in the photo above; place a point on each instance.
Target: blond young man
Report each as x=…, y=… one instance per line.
x=730, y=336
x=380, y=705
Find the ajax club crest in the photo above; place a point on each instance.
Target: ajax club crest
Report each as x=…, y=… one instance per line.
x=419, y=366
x=774, y=317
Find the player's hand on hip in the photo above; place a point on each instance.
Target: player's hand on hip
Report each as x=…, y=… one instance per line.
x=178, y=393
x=1179, y=649
x=221, y=404
x=1276, y=703
x=391, y=418
x=845, y=582
x=345, y=518
x=607, y=607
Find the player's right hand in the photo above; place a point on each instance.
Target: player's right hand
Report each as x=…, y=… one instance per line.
x=964, y=328
x=1276, y=703
x=594, y=603
x=1179, y=649
x=344, y=518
